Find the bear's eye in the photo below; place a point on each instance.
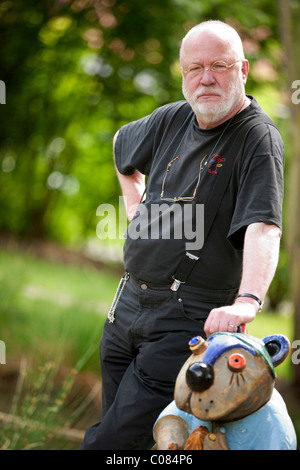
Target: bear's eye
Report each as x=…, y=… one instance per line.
x=236, y=362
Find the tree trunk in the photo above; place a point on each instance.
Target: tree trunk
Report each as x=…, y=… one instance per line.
x=290, y=20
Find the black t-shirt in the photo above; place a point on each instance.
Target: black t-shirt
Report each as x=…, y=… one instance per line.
x=254, y=193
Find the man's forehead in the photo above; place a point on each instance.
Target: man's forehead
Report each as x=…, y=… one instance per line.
x=204, y=45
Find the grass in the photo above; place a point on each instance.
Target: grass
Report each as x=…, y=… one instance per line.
x=268, y=323
x=52, y=317
x=50, y=310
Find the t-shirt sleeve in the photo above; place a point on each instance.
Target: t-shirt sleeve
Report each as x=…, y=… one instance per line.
x=133, y=147
x=137, y=141
x=260, y=192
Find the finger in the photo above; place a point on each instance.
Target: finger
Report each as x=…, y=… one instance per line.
x=222, y=319
x=219, y=320
x=212, y=323
x=232, y=328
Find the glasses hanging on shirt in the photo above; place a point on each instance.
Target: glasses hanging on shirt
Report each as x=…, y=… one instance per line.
x=202, y=165
x=181, y=198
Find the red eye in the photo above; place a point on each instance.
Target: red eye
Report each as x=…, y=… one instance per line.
x=236, y=362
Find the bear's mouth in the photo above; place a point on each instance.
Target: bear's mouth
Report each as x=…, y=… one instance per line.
x=215, y=404
x=209, y=405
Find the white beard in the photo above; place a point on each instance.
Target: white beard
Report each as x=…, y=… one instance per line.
x=209, y=112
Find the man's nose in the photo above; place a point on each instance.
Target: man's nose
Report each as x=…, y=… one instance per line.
x=207, y=77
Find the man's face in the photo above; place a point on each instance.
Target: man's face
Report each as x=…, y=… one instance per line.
x=214, y=96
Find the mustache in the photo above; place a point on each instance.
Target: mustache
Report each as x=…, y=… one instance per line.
x=205, y=91
x=202, y=90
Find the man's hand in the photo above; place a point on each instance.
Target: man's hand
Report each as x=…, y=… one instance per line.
x=230, y=317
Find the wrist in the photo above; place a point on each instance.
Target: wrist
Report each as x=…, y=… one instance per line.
x=250, y=298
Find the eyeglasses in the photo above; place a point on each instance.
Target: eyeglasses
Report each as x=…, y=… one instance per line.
x=218, y=66
x=181, y=198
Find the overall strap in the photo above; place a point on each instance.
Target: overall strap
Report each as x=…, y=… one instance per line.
x=190, y=258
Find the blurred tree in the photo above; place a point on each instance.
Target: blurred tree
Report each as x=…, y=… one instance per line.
x=290, y=14
x=75, y=71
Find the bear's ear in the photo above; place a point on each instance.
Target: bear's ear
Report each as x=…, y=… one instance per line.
x=278, y=347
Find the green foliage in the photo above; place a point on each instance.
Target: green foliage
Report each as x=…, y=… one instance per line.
x=36, y=412
x=75, y=72
x=53, y=312
x=269, y=323
x=51, y=321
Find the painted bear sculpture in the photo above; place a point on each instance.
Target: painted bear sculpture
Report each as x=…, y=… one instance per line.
x=225, y=397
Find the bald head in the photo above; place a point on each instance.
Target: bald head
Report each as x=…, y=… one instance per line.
x=216, y=94
x=219, y=29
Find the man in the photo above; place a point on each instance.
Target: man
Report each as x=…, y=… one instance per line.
x=183, y=148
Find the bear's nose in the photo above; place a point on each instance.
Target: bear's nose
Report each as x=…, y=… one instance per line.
x=199, y=376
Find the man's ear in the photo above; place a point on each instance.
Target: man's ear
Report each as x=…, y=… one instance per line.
x=245, y=70
x=278, y=347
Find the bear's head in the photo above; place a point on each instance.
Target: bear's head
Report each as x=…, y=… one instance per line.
x=229, y=376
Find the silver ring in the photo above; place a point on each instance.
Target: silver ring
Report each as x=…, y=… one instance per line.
x=232, y=326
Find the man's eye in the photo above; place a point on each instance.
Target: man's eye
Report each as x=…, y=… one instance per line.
x=219, y=67
x=196, y=69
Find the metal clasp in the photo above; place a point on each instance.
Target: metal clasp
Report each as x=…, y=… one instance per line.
x=176, y=284
x=111, y=313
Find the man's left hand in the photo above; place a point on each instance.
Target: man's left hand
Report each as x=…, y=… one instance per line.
x=230, y=317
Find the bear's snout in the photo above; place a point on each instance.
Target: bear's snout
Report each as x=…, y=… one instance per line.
x=199, y=376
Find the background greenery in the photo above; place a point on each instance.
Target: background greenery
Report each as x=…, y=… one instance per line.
x=75, y=71
x=52, y=317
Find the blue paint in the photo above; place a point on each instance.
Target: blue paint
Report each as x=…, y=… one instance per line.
x=269, y=428
x=219, y=343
